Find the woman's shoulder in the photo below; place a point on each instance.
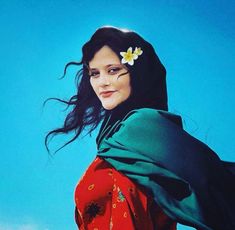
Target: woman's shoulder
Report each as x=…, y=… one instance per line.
x=149, y=116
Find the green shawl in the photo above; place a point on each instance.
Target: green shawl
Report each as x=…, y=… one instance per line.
x=187, y=179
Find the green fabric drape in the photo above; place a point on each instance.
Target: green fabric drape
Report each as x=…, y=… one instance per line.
x=186, y=178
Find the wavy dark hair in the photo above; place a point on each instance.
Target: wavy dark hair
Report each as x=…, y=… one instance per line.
x=148, y=81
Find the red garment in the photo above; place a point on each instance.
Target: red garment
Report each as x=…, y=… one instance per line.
x=106, y=199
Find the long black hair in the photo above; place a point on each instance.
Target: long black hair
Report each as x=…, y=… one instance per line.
x=148, y=81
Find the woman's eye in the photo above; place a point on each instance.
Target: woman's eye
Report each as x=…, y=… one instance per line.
x=94, y=74
x=114, y=70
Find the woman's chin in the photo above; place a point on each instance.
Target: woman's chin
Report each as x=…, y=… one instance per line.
x=109, y=106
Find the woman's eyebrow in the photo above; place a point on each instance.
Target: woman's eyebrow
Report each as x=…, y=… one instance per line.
x=116, y=64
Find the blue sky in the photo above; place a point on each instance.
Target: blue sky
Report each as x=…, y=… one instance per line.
x=194, y=39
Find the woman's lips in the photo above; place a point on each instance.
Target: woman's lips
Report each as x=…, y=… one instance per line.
x=107, y=93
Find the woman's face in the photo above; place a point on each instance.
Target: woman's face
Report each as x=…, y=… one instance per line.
x=104, y=71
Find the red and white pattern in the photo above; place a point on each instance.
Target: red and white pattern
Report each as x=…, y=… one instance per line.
x=107, y=199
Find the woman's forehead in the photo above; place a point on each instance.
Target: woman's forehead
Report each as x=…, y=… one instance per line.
x=104, y=57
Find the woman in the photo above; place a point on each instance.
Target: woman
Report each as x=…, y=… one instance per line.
x=149, y=173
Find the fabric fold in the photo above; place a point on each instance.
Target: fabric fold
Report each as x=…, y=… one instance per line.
x=186, y=178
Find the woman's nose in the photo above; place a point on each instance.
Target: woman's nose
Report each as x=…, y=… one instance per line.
x=104, y=79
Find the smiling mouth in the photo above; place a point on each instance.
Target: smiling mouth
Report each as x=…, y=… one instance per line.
x=107, y=94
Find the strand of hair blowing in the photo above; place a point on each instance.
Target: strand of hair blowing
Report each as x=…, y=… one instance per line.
x=86, y=109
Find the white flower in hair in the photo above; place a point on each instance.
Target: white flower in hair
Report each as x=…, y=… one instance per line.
x=138, y=51
x=128, y=57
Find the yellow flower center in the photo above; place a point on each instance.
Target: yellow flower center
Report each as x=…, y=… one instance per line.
x=128, y=56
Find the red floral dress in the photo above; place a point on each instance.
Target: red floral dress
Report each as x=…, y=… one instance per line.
x=106, y=199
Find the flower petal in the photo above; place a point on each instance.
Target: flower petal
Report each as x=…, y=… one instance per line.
x=123, y=61
x=129, y=50
x=122, y=53
x=131, y=62
x=135, y=56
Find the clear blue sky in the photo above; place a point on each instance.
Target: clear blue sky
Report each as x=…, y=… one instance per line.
x=194, y=39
